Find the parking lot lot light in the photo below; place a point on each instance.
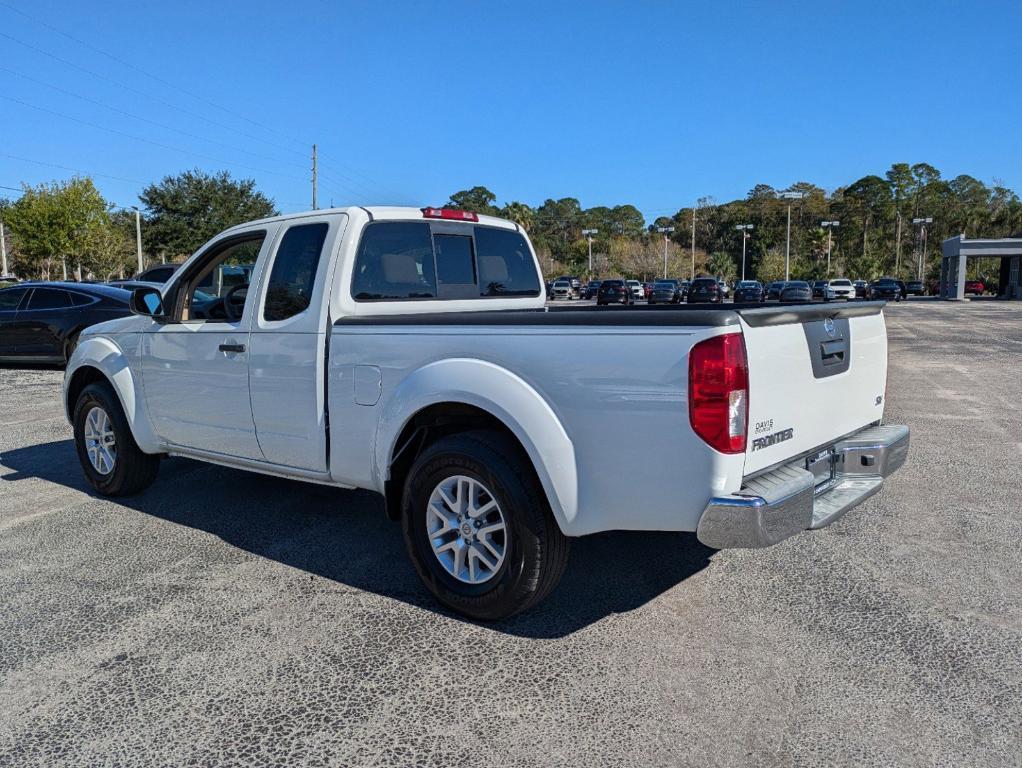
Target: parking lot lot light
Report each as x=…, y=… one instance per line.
x=789, y=196
x=588, y=235
x=829, y=226
x=922, y=222
x=665, y=231
x=744, y=229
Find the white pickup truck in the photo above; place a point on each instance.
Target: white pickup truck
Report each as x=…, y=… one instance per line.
x=409, y=352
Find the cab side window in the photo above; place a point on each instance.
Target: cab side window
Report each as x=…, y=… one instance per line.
x=506, y=267
x=394, y=261
x=293, y=277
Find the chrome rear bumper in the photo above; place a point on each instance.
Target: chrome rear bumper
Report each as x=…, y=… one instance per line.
x=787, y=500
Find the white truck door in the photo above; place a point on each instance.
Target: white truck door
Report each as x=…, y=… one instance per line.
x=287, y=344
x=195, y=369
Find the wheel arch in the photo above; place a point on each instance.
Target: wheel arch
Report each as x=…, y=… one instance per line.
x=456, y=395
x=99, y=359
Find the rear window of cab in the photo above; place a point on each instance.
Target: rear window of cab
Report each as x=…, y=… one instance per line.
x=409, y=260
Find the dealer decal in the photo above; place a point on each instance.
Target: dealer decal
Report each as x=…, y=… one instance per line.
x=777, y=437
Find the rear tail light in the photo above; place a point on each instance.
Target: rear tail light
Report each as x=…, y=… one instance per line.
x=449, y=213
x=718, y=392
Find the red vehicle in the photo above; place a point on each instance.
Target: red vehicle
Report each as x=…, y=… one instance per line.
x=975, y=286
x=647, y=289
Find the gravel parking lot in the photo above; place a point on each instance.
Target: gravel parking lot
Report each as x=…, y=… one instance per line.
x=226, y=618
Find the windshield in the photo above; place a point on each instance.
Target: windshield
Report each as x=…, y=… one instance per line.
x=797, y=284
x=664, y=285
x=841, y=282
x=748, y=284
x=611, y=284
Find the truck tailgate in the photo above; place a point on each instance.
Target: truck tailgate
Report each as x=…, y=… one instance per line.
x=816, y=374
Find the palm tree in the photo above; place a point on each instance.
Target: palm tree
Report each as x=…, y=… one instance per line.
x=721, y=265
x=520, y=213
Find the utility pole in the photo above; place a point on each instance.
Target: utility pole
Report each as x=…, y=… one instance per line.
x=665, y=231
x=829, y=226
x=694, y=242
x=789, y=196
x=314, y=204
x=744, y=229
x=922, y=222
x=138, y=237
x=3, y=249
x=588, y=234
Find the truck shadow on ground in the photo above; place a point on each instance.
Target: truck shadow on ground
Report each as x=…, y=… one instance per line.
x=345, y=536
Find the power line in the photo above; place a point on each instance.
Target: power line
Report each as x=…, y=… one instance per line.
x=170, y=85
x=133, y=116
x=157, y=78
x=145, y=140
x=69, y=168
x=144, y=94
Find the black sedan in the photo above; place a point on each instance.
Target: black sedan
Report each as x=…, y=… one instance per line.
x=749, y=292
x=915, y=288
x=40, y=322
x=796, y=290
x=819, y=289
x=592, y=288
x=884, y=288
x=614, y=292
x=705, y=290
x=773, y=290
x=666, y=292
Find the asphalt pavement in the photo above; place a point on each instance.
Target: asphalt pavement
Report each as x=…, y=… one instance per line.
x=224, y=618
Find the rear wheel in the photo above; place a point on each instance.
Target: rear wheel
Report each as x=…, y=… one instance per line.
x=112, y=461
x=478, y=527
x=70, y=345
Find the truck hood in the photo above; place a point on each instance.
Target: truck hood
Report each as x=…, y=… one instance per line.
x=129, y=324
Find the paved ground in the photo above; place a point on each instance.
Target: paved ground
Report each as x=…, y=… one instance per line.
x=223, y=618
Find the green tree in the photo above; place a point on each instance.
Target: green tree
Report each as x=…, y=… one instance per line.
x=721, y=265
x=520, y=213
x=56, y=224
x=184, y=211
x=478, y=199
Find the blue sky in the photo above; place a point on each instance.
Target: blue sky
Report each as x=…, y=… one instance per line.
x=655, y=104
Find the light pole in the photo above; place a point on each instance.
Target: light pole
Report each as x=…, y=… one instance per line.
x=665, y=231
x=789, y=196
x=744, y=229
x=138, y=236
x=3, y=249
x=829, y=226
x=922, y=222
x=588, y=234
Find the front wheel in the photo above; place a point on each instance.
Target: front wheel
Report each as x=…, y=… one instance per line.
x=478, y=527
x=112, y=461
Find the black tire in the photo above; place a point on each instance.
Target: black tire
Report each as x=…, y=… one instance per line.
x=70, y=345
x=133, y=470
x=536, y=551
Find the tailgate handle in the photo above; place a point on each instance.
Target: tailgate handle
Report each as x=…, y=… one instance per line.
x=232, y=348
x=833, y=351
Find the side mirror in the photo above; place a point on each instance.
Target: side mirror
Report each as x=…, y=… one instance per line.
x=147, y=301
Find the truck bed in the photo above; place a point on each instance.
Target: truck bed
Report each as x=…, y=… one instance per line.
x=678, y=315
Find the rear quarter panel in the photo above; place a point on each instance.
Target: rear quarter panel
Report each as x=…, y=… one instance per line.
x=618, y=394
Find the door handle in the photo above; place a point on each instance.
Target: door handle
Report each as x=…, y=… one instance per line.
x=833, y=351
x=232, y=347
